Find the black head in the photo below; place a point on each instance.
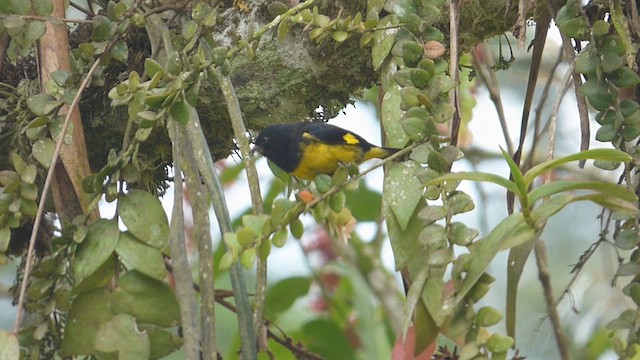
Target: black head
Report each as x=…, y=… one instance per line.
x=278, y=144
x=266, y=140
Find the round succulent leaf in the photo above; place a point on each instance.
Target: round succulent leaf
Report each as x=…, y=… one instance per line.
x=612, y=44
x=610, y=62
x=597, y=92
x=606, y=133
x=600, y=28
x=624, y=77
x=588, y=61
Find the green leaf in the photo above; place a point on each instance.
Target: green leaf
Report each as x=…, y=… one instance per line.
x=42, y=104
x=488, y=316
x=284, y=293
x=624, y=77
x=432, y=213
x=607, y=132
x=120, y=335
x=432, y=298
x=626, y=239
x=340, y=36
x=179, y=111
x=461, y=235
x=97, y=247
x=552, y=206
x=55, y=129
x=43, y=151
x=34, y=30
x=597, y=93
x=594, y=154
x=151, y=67
x=383, y=40
x=9, y=346
x=485, y=250
x=426, y=330
x=623, y=208
x=402, y=191
x=325, y=338
x=149, y=300
x=162, y=342
x=587, y=61
x=365, y=203
x=414, y=296
x=406, y=253
x=610, y=63
x=391, y=115
x=476, y=176
x=140, y=256
x=101, y=28
x=560, y=186
x=5, y=237
x=13, y=22
x=99, y=279
x=60, y=77
x=460, y=202
x=120, y=51
x=517, y=259
x=144, y=216
x=43, y=7
x=89, y=311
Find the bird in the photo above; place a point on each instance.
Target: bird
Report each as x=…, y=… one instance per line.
x=307, y=149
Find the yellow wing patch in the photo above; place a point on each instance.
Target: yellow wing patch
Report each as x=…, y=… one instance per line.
x=350, y=139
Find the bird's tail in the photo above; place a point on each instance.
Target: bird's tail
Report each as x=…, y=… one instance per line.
x=379, y=152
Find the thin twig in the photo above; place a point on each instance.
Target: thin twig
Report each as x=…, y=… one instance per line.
x=545, y=280
x=490, y=81
x=49, y=177
x=544, y=95
x=88, y=12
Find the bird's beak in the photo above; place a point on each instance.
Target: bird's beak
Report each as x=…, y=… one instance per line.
x=255, y=149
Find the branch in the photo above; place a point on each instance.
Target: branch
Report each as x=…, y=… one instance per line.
x=240, y=133
x=182, y=271
x=208, y=293
x=206, y=168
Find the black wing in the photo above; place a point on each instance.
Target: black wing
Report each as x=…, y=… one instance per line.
x=333, y=135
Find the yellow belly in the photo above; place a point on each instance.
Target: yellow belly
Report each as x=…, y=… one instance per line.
x=318, y=158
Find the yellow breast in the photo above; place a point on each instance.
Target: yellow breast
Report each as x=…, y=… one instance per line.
x=318, y=158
